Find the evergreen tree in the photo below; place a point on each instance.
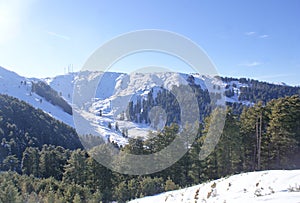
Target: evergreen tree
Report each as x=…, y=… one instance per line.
x=52, y=162
x=228, y=148
x=76, y=168
x=282, y=130
x=9, y=192
x=99, y=178
x=10, y=163
x=30, y=161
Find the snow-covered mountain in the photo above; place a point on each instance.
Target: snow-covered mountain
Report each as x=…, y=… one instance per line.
x=108, y=94
x=265, y=186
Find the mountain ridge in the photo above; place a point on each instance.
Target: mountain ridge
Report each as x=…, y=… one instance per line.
x=113, y=91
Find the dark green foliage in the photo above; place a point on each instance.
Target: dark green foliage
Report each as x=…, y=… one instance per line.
x=283, y=132
x=10, y=163
x=52, y=161
x=76, y=167
x=139, y=187
x=15, y=188
x=256, y=91
x=23, y=126
x=151, y=186
x=30, y=161
x=51, y=96
x=9, y=192
x=229, y=93
x=167, y=100
x=262, y=91
x=170, y=185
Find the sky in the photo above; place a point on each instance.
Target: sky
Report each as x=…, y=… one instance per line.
x=257, y=39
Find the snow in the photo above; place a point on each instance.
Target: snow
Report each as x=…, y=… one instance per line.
x=14, y=85
x=264, y=186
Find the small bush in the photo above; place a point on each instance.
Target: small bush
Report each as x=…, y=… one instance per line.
x=295, y=188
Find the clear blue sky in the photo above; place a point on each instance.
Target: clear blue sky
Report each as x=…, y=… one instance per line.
x=258, y=39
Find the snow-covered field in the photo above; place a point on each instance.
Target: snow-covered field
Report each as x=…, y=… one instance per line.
x=278, y=186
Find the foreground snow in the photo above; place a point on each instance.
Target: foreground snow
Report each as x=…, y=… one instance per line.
x=264, y=186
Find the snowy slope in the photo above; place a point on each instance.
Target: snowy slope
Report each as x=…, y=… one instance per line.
x=265, y=186
x=20, y=87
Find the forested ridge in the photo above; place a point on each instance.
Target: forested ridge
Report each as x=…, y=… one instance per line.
x=255, y=91
x=249, y=92
x=22, y=126
x=264, y=136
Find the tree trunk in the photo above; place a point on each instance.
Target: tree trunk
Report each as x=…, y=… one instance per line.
x=259, y=143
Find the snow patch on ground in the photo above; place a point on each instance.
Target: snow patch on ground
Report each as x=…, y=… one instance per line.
x=264, y=186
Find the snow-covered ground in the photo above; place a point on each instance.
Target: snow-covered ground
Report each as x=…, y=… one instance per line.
x=278, y=186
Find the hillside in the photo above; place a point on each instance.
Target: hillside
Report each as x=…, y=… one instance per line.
x=21, y=87
x=24, y=126
x=265, y=186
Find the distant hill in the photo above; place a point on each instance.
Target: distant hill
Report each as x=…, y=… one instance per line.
x=249, y=90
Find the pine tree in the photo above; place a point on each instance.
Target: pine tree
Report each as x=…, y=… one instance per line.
x=98, y=178
x=170, y=185
x=228, y=148
x=109, y=125
x=75, y=169
x=77, y=199
x=52, y=161
x=254, y=121
x=121, y=192
x=30, y=161
x=282, y=130
x=10, y=163
x=9, y=192
x=213, y=128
